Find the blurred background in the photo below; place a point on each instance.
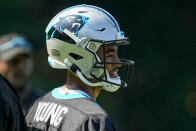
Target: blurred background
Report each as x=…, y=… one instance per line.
x=162, y=95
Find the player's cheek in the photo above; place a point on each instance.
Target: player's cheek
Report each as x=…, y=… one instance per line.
x=108, y=67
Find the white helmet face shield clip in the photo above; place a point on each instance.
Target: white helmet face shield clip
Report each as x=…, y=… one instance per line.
x=117, y=76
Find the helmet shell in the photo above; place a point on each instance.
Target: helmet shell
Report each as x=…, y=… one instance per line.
x=88, y=21
x=73, y=37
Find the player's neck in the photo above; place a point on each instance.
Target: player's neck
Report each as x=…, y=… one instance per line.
x=74, y=83
x=92, y=92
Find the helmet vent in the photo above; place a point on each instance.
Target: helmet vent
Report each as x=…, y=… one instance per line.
x=101, y=29
x=82, y=11
x=75, y=56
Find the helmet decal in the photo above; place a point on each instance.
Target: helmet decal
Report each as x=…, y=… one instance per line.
x=73, y=23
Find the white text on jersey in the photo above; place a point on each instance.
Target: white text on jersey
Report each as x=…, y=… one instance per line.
x=50, y=110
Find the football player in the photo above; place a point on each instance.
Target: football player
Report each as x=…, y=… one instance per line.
x=84, y=40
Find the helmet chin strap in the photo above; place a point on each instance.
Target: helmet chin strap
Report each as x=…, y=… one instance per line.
x=79, y=74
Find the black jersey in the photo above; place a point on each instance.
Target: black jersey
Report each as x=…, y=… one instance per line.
x=67, y=112
x=11, y=115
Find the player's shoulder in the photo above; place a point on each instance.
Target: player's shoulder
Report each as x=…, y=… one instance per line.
x=88, y=115
x=69, y=113
x=86, y=106
x=96, y=118
x=83, y=105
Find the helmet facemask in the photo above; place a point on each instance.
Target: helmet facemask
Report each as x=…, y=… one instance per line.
x=117, y=76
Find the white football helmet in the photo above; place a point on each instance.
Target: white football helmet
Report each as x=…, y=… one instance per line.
x=73, y=37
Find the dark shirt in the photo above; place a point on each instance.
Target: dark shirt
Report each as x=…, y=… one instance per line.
x=67, y=112
x=11, y=115
x=31, y=95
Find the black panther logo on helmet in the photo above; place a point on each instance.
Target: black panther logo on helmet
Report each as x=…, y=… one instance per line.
x=73, y=23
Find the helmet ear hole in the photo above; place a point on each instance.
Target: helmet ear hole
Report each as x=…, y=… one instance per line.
x=75, y=56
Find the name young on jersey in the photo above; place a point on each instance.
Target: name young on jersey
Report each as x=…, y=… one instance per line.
x=50, y=111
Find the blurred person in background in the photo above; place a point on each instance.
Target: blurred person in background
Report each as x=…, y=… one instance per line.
x=11, y=113
x=16, y=66
x=82, y=39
